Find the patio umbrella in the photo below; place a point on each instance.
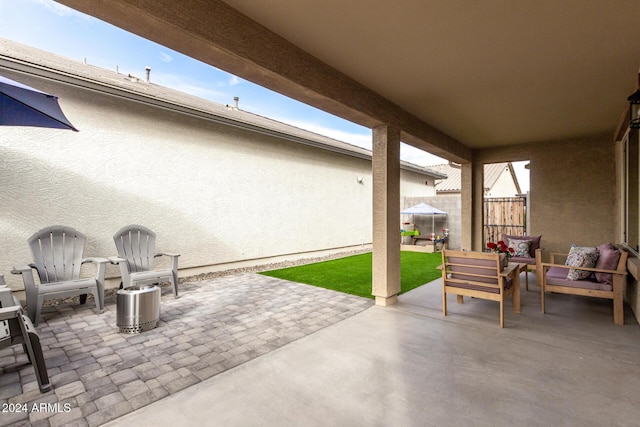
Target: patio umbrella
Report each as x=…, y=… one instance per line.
x=21, y=105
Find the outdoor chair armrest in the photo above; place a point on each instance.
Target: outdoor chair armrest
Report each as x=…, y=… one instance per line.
x=115, y=260
x=26, y=271
x=166, y=254
x=12, y=312
x=174, y=260
x=95, y=260
x=30, y=285
x=101, y=267
x=22, y=268
x=7, y=299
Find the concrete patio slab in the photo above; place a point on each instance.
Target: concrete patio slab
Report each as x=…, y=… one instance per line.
x=407, y=365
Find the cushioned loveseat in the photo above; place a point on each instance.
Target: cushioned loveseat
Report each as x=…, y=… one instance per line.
x=526, y=250
x=588, y=271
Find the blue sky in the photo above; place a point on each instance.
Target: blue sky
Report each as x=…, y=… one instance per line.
x=55, y=28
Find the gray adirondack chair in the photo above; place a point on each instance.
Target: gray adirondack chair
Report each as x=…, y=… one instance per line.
x=136, y=247
x=15, y=329
x=57, y=254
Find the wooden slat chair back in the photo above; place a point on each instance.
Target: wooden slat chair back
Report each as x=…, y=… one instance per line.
x=16, y=329
x=57, y=253
x=479, y=275
x=136, y=246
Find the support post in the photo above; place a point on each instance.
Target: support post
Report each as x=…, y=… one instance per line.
x=472, y=193
x=386, y=214
x=466, y=211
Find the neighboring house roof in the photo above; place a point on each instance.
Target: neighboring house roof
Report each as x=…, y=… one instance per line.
x=18, y=57
x=453, y=182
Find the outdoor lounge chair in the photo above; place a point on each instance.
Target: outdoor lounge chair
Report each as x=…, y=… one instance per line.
x=57, y=254
x=480, y=275
x=16, y=328
x=136, y=255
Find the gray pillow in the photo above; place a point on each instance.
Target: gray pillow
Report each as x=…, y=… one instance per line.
x=521, y=247
x=581, y=256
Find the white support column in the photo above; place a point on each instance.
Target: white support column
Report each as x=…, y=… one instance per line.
x=386, y=214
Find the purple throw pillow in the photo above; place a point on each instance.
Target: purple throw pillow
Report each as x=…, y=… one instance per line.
x=607, y=260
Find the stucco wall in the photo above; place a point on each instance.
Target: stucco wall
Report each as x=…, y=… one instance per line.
x=575, y=194
x=213, y=193
x=572, y=189
x=413, y=184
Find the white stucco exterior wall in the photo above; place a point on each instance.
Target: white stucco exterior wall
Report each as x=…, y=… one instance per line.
x=414, y=184
x=213, y=193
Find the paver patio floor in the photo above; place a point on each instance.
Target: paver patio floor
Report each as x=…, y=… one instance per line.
x=99, y=374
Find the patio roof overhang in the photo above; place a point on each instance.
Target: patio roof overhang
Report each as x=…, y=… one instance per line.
x=455, y=79
x=219, y=35
x=451, y=76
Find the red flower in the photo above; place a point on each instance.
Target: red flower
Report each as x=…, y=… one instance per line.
x=500, y=247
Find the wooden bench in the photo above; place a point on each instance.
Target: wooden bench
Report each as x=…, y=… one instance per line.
x=554, y=280
x=480, y=275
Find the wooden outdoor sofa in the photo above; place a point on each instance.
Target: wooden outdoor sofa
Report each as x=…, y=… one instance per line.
x=605, y=280
x=480, y=275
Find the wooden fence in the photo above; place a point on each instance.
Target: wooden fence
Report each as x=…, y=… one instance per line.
x=504, y=215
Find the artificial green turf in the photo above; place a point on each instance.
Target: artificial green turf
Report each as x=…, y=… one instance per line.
x=352, y=274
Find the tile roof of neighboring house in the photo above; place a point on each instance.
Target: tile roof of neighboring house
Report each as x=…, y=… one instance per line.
x=18, y=57
x=453, y=182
